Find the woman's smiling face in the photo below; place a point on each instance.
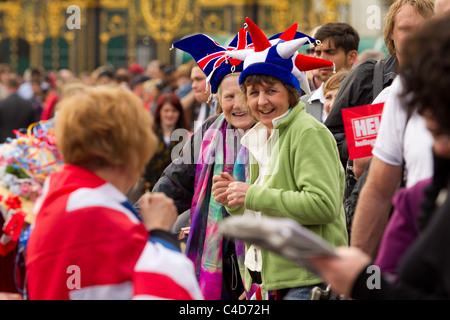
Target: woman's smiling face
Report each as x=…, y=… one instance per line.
x=169, y=115
x=235, y=114
x=268, y=101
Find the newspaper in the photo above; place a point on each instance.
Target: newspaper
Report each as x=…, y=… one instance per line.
x=283, y=236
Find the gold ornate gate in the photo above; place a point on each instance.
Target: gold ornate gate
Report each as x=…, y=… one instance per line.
x=34, y=33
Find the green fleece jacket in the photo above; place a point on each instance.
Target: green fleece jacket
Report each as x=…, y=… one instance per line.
x=307, y=186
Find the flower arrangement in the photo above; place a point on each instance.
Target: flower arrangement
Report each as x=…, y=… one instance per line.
x=19, y=183
x=15, y=219
x=25, y=162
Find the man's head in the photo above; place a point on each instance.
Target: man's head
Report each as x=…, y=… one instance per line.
x=36, y=74
x=137, y=85
x=170, y=76
x=122, y=75
x=198, y=79
x=339, y=44
x=403, y=17
x=4, y=73
x=105, y=77
x=154, y=70
x=13, y=83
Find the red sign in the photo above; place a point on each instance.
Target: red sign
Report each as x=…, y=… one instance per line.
x=361, y=129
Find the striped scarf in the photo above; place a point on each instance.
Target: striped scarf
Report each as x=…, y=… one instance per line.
x=204, y=245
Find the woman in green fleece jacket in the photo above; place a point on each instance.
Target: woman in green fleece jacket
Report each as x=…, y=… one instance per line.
x=294, y=171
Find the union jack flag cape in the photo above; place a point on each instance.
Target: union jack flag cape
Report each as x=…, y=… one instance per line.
x=87, y=242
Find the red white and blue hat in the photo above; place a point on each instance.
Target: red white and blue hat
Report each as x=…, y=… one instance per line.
x=278, y=56
x=213, y=58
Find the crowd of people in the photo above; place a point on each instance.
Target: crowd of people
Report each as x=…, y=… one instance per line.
x=156, y=158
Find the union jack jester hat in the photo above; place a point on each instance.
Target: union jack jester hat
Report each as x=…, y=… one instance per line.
x=213, y=58
x=278, y=57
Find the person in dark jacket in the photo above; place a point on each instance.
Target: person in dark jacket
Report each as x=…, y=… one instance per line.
x=15, y=112
x=363, y=85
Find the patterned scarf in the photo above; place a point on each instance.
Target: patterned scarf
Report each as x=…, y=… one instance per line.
x=204, y=244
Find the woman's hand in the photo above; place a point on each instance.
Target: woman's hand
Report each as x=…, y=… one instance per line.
x=184, y=233
x=158, y=211
x=341, y=272
x=220, y=186
x=237, y=191
x=243, y=296
x=10, y=296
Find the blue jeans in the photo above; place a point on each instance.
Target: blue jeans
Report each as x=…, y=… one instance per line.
x=302, y=293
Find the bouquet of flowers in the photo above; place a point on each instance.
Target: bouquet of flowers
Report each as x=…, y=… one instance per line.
x=25, y=162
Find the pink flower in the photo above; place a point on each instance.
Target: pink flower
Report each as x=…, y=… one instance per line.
x=36, y=188
x=25, y=189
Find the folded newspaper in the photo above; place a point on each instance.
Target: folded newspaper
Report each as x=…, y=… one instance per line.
x=283, y=236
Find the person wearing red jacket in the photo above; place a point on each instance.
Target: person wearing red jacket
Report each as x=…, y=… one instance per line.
x=87, y=242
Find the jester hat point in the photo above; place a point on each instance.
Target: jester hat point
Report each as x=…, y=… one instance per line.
x=213, y=58
x=278, y=56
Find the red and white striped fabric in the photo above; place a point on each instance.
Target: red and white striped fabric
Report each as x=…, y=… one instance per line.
x=88, y=243
x=161, y=274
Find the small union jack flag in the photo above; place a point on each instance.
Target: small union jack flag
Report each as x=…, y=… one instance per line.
x=213, y=58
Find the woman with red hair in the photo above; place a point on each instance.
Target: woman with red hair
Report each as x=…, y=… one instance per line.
x=168, y=117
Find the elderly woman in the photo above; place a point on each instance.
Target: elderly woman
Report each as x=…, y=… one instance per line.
x=294, y=170
x=87, y=241
x=210, y=150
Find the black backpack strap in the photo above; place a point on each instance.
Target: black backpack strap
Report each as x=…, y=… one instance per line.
x=378, y=78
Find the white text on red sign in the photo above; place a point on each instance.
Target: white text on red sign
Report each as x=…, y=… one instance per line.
x=366, y=127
